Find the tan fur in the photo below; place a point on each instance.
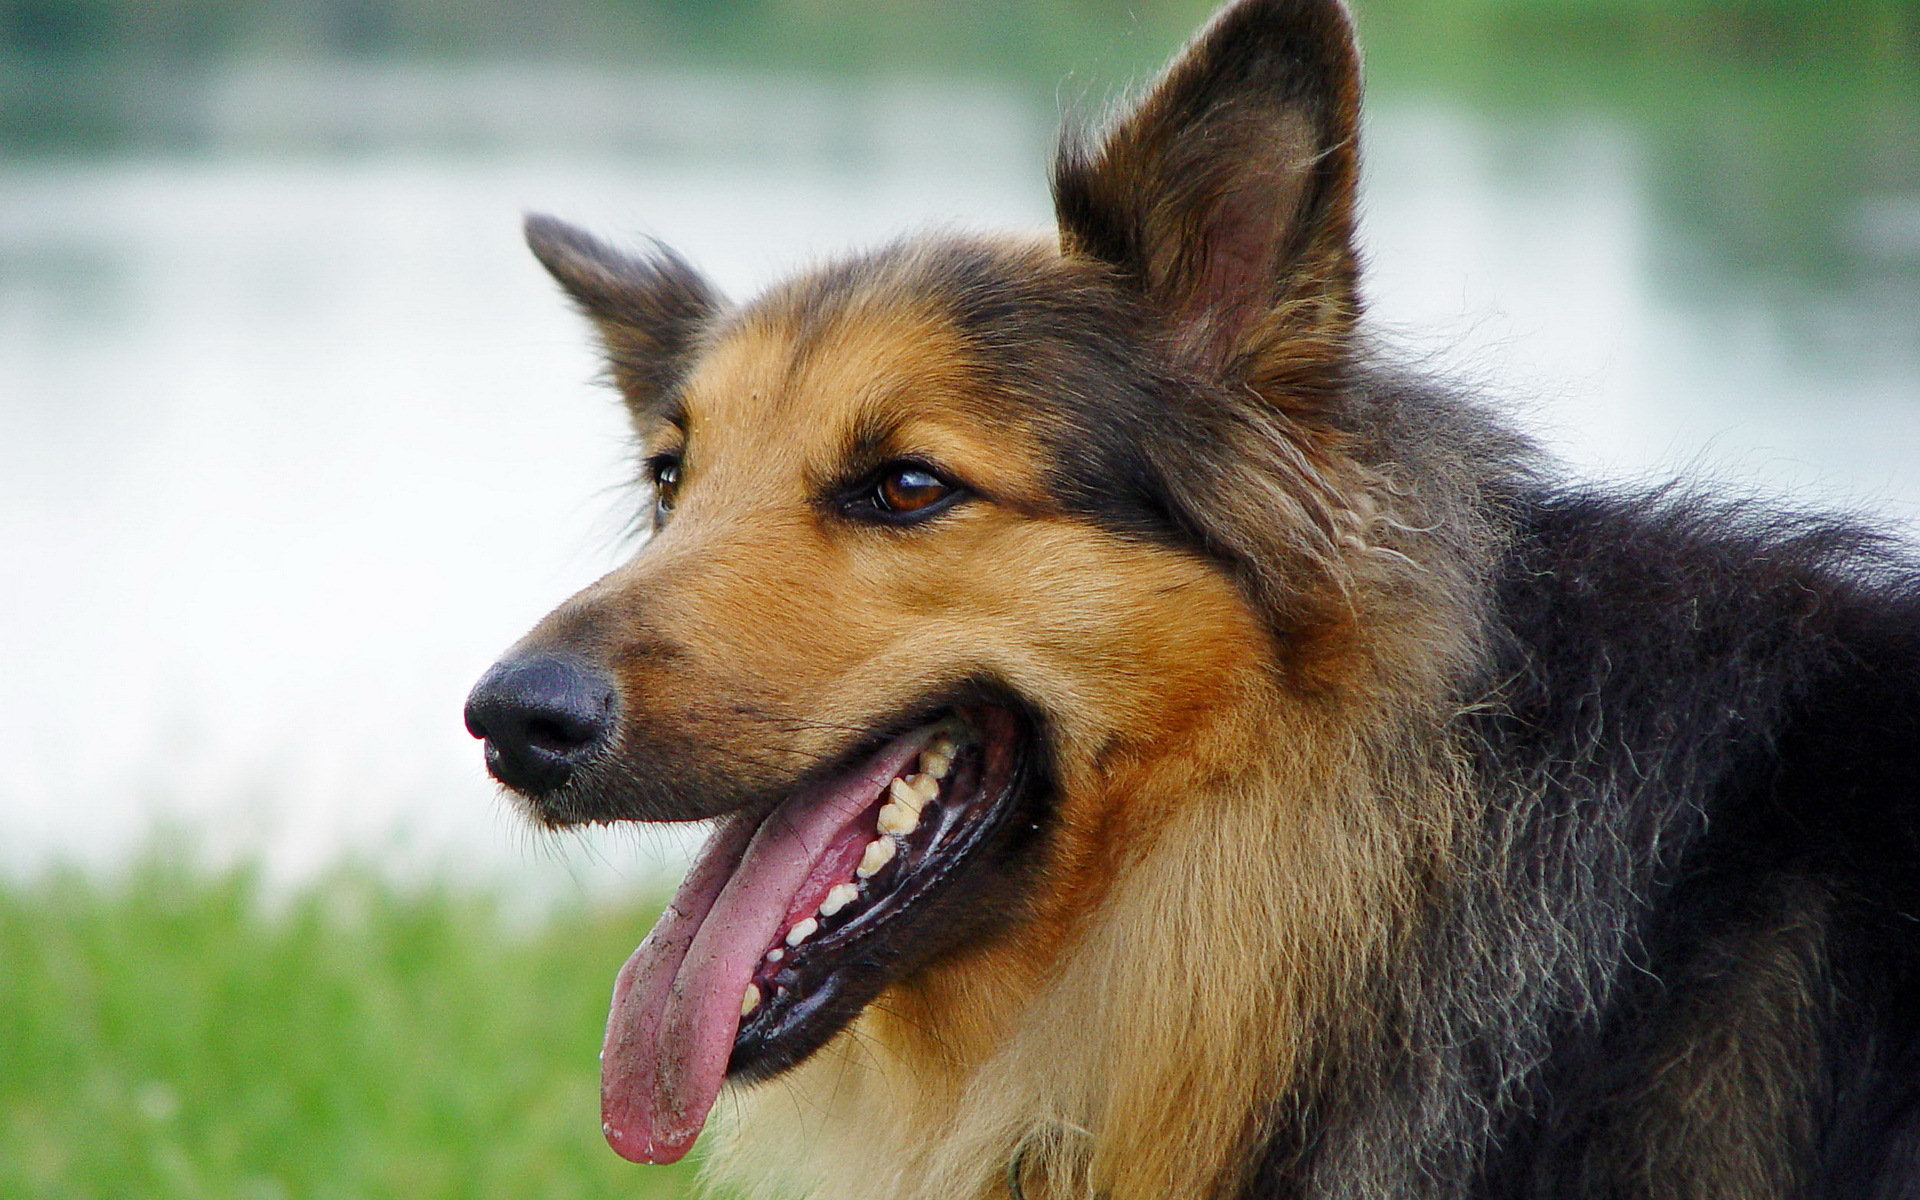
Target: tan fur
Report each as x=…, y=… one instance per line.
x=1226, y=875
x=1236, y=844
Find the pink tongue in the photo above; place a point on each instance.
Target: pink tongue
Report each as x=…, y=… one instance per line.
x=676, y=1003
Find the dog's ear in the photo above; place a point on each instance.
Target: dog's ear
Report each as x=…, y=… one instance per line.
x=650, y=310
x=1226, y=195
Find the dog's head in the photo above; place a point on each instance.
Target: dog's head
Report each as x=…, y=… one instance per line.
x=966, y=556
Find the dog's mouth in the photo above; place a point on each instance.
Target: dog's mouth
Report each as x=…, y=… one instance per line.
x=791, y=920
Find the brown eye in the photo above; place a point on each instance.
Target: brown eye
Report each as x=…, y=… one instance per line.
x=901, y=492
x=906, y=489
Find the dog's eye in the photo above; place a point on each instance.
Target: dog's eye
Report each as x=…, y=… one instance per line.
x=663, y=471
x=903, y=492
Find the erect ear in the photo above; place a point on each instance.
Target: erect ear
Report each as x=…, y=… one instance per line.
x=1226, y=195
x=649, y=309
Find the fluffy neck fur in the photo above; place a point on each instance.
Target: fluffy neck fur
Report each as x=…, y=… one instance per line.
x=1236, y=943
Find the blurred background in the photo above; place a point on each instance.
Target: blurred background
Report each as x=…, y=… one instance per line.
x=295, y=438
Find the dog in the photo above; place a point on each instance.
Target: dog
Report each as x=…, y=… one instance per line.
x=1157, y=747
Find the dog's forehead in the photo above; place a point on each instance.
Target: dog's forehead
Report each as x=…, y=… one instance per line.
x=817, y=365
x=840, y=364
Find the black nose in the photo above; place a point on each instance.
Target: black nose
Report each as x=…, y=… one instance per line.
x=542, y=715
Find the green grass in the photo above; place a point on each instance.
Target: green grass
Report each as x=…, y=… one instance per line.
x=175, y=1033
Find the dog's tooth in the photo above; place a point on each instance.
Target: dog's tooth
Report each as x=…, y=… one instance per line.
x=905, y=794
x=776, y=954
x=750, y=999
x=898, y=819
x=880, y=852
x=802, y=931
x=924, y=786
x=936, y=762
x=838, y=897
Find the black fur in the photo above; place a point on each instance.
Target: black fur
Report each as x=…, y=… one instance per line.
x=1722, y=709
x=1697, y=730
